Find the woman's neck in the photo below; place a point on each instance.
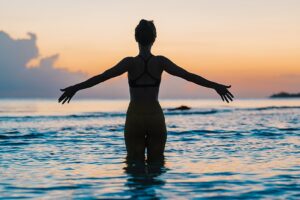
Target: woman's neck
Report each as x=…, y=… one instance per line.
x=145, y=51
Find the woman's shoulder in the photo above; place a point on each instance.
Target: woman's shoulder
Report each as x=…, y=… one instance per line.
x=128, y=59
x=131, y=59
x=161, y=58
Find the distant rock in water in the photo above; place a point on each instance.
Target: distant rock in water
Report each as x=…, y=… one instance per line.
x=182, y=107
x=285, y=95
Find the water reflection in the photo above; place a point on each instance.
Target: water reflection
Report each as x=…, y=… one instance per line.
x=144, y=179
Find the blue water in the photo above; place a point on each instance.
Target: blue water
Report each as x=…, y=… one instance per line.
x=249, y=149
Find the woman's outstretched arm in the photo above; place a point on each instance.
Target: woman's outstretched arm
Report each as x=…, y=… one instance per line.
x=175, y=70
x=117, y=70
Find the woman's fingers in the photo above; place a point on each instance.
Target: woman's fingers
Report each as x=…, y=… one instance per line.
x=61, y=97
x=66, y=97
x=225, y=98
x=221, y=97
x=64, y=101
x=70, y=99
x=225, y=94
x=228, y=96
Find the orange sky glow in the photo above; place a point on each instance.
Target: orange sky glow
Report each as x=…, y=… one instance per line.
x=253, y=45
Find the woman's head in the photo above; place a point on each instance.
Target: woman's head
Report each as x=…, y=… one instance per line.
x=145, y=33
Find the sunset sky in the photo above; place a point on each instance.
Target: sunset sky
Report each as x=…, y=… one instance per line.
x=253, y=45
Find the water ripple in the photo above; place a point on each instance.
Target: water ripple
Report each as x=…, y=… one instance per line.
x=212, y=152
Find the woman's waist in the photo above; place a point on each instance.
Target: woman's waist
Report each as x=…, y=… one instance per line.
x=144, y=107
x=144, y=94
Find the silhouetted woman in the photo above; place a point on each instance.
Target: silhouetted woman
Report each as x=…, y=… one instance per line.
x=145, y=123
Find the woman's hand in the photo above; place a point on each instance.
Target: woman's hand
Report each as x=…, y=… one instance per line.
x=224, y=93
x=69, y=92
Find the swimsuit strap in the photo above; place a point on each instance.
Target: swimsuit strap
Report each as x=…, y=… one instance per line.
x=132, y=83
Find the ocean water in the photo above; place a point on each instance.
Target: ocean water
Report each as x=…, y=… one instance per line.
x=249, y=149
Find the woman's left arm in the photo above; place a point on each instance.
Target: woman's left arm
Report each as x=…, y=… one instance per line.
x=175, y=70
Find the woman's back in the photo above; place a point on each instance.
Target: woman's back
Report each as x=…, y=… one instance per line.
x=144, y=75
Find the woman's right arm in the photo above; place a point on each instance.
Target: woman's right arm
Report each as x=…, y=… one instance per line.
x=175, y=70
x=117, y=70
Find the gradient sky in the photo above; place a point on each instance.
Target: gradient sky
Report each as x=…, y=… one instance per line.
x=253, y=45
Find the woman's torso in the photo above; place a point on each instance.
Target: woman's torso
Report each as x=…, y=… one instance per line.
x=144, y=76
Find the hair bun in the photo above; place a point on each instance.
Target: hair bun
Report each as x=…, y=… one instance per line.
x=144, y=22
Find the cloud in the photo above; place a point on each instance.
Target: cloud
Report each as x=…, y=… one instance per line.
x=43, y=80
x=16, y=80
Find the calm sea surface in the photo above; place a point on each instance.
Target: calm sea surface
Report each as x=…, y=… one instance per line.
x=249, y=149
